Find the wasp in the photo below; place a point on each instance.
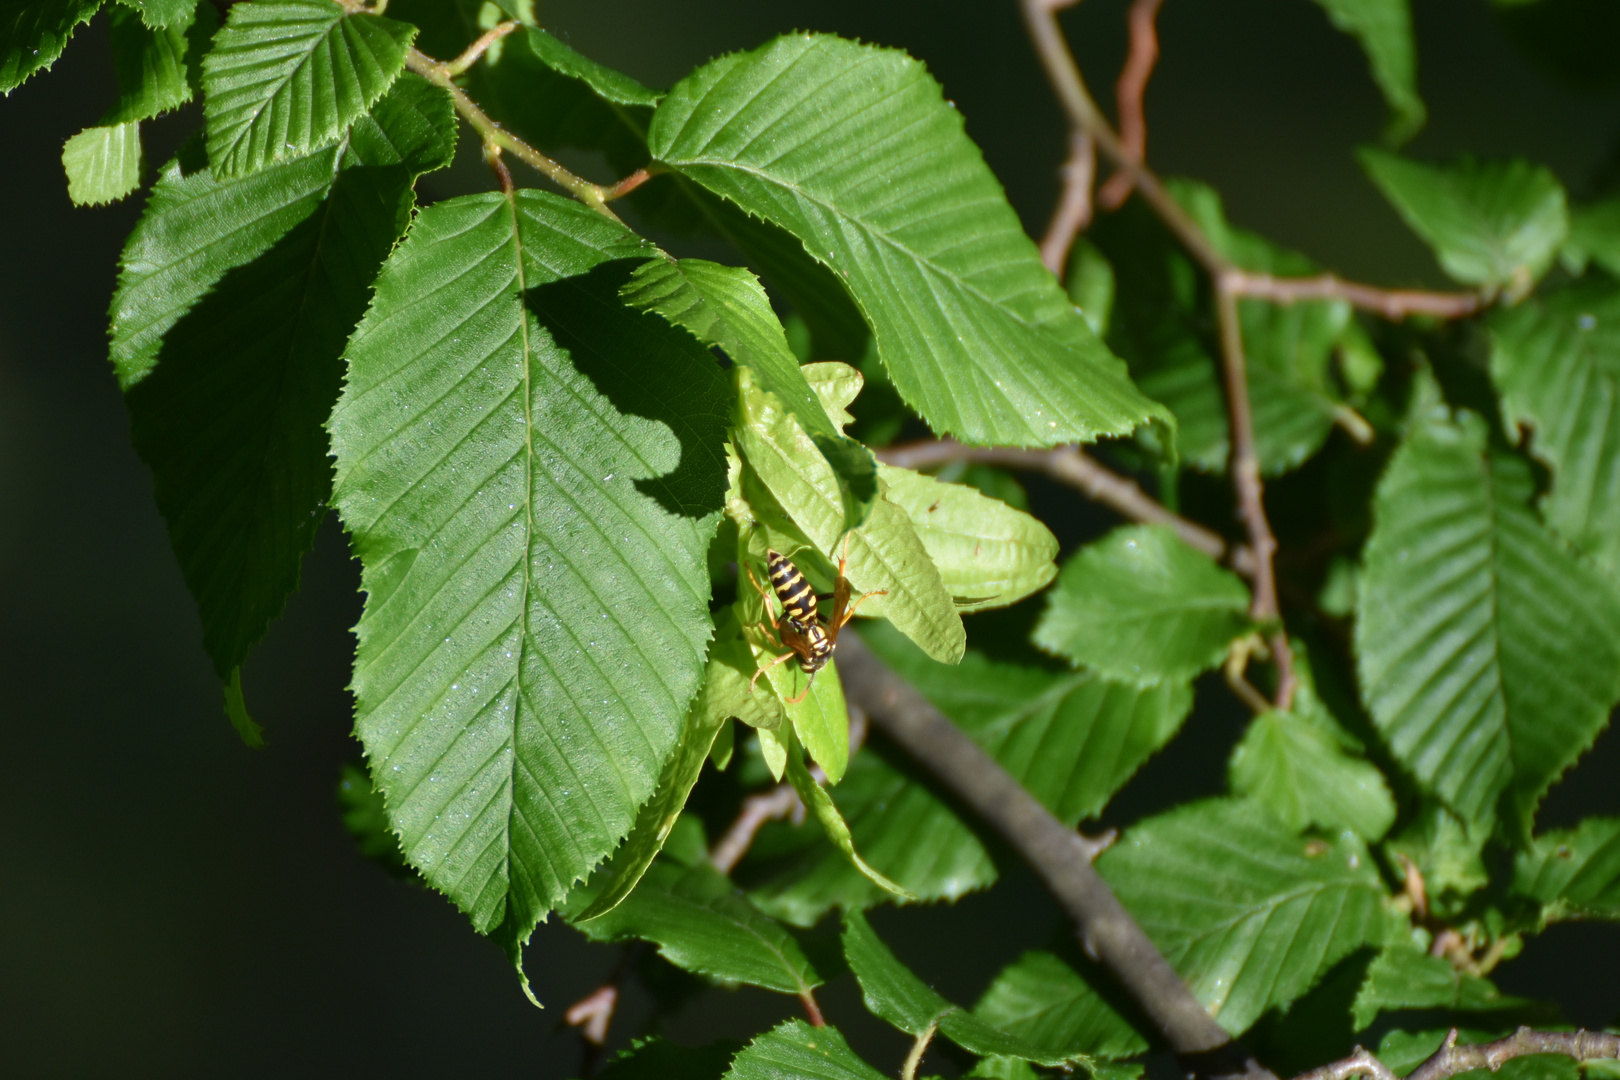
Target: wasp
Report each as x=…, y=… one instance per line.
x=802, y=629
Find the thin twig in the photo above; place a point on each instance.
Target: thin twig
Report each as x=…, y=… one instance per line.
x=474, y=52
x=1073, y=211
x=1055, y=852
x=774, y=805
x=1244, y=466
x=1129, y=91
x=1392, y=304
x=1452, y=1059
x=1068, y=465
x=593, y=1013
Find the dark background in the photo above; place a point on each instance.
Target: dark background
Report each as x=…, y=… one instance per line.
x=172, y=904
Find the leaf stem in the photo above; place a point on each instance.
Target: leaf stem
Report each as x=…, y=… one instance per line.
x=1054, y=851
x=474, y=52
x=908, y=1071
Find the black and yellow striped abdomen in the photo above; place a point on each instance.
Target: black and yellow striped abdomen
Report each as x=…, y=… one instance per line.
x=798, y=598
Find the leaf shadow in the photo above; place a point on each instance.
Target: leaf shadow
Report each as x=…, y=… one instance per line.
x=648, y=368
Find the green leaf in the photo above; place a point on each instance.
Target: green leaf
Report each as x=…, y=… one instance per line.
x=532, y=501
x=1140, y=605
x=988, y=554
x=701, y=923
x=366, y=819
x=160, y=14
x=609, y=85
x=413, y=125
x=657, y=816
x=894, y=994
x=815, y=797
x=790, y=486
x=287, y=76
x=234, y=304
x=1445, y=853
x=836, y=385
x=1294, y=765
x=974, y=332
x=1594, y=236
x=1404, y=1051
x=154, y=67
x=1071, y=738
x=1497, y=225
x=1556, y=363
x=658, y=1059
x=1251, y=915
x=1040, y=998
x=1091, y=284
x=726, y=307
x=1489, y=658
x=1573, y=873
x=794, y=1050
x=1405, y=977
x=103, y=164
x=34, y=33
x=1384, y=29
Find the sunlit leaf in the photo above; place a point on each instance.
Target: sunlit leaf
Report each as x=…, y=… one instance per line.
x=155, y=68
x=1250, y=914
x=532, y=501
x=794, y=1050
x=1489, y=657
x=287, y=76
x=988, y=554
x=1497, y=225
x=1141, y=605
x=1405, y=977
x=1556, y=362
x=103, y=164
x=975, y=333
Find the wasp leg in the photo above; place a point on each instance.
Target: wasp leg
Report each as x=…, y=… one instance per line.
x=802, y=696
x=784, y=658
x=849, y=613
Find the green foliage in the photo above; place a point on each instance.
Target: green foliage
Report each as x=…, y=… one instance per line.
x=561, y=454
x=1490, y=658
x=973, y=331
x=1497, y=225
x=1250, y=914
x=1384, y=28
x=287, y=76
x=1142, y=606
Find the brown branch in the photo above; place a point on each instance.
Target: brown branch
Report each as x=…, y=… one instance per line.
x=1073, y=211
x=1057, y=853
x=1068, y=465
x=1244, y=465
x=593, y=1013
x=774, y=805
x=1392, y=304
x=1129, y=91
x=1452, y=1059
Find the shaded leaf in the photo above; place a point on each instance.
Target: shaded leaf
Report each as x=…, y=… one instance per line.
x=1405, y=977
x=1384, y=29
x=607, y=84
x=1404, y=1051
x=659, y=1059
x=820, y=804
x=1251, y=915
x=103, y=164
x=163, y=13
x=988, y=554
x=532, y=503
x=1556, y=362
x=155, y=68
x=974, y=332
x=725, y=306
x=1040, y=998
x=1594, y=237
x=894, y=994
x=701, y=923
x=1294, y=765
x=1140, y=605
x=33, y=34
x=287, y=76
x=1573, y=873
x=1091, y=285
x=1489, y=658
x=1440, y=846
x=1497, y=225
x=794, y=1050
x=801, y=494
x=366, y=819
x=1071, y=738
